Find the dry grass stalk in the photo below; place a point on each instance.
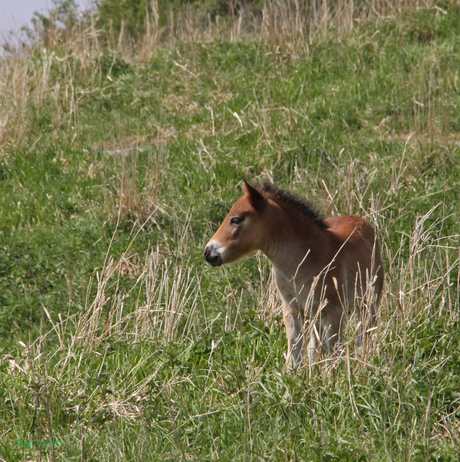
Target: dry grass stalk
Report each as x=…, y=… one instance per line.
x=123, y=200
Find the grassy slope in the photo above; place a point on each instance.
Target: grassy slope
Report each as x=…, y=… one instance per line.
x=154, y=355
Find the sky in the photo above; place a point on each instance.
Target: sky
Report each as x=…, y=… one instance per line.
x=16, y=13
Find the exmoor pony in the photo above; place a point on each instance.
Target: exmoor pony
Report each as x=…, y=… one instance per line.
x=324, y=268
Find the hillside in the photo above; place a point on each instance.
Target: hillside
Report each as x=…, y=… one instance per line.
x=118, y=160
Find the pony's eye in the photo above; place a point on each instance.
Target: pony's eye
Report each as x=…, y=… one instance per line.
x=236, y=220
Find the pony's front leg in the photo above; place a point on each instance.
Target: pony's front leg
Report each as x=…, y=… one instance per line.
x=331, y=327
x=293, y=324
x=313, y=344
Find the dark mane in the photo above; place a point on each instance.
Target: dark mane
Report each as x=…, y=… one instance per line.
x=289, y=198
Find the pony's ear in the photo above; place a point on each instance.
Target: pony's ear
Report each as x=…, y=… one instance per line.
x=256, y=198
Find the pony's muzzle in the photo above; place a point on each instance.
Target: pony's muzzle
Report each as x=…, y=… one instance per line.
x=212, y=256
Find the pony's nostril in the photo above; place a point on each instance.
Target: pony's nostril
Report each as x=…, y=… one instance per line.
x=213, y=253
x=207, y=254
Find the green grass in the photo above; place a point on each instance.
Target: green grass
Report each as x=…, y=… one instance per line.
x=118, y=342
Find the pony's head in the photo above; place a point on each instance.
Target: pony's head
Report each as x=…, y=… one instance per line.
x=242, y=231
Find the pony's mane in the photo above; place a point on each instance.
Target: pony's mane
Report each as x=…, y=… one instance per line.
x=293, y=200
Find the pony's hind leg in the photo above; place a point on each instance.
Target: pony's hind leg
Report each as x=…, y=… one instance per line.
x=367, y=318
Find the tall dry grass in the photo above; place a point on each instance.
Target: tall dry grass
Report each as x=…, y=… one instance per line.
x=35, y=85
x=42, y=85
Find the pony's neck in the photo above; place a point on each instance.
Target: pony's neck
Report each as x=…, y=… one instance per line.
x=292, y=241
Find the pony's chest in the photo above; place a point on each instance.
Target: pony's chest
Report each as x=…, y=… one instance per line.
x=292, y=292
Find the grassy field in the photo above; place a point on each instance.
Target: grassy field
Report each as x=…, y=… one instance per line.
x=117, y=163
